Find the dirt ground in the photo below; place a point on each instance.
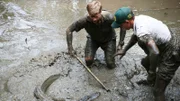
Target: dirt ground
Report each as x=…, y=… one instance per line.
x=33, y=47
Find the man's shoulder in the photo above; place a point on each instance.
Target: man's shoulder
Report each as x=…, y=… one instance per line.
x=146, y=17
x=107, y=15
x=85, y=17
x=105, y=12
x=82, y=19
x=79, y=23
x=141, y=17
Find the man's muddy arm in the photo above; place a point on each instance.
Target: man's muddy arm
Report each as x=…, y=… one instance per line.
x=153, y=51
x=131, y=42
x=153, y=56
x=122, y=35
x=69, y=38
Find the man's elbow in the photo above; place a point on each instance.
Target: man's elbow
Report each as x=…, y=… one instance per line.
x=153, y=48
x=68, y=32
x=156, y=52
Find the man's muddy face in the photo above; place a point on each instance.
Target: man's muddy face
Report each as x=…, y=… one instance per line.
x=96, y=18
x=126, y=25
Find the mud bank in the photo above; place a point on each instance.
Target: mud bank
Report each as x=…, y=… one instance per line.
x=32, y=48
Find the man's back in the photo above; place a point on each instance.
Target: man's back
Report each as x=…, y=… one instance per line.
x=147, y=25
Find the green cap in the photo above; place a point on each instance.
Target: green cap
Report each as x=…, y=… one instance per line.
x=121, y=15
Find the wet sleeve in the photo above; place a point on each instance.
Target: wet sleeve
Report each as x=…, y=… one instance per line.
x=78, y=25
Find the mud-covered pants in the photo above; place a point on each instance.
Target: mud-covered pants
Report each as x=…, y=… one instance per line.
x=167, y=66
x=165, y=72
x=109, y=49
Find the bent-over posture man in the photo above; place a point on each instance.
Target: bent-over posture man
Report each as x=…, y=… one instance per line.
x=100, y=34
x=157, y=41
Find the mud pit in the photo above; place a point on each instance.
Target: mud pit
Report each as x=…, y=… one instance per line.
x=33, y=47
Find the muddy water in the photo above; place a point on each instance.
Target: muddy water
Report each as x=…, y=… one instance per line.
x=33, y=47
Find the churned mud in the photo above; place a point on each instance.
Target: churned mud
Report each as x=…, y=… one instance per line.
x=35, y=66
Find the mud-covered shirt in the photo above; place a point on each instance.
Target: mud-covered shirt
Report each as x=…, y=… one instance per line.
x=102, y=32
x=144, y=25
x=158, y=31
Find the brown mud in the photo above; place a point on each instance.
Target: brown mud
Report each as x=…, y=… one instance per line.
x=33, y=48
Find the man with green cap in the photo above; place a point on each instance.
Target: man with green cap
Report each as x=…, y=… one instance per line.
x=100, y=34
x=157, y=41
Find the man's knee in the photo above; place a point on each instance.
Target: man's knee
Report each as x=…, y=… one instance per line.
x=110, y=64
x=89, y=61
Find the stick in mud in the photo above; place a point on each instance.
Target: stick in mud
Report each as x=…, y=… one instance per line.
x=91, y=73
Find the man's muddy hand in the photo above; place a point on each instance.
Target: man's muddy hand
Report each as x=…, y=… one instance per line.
x=120, y=52
x=71, y=52
x=119, y=47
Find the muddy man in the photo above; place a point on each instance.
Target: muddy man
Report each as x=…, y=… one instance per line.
x=157, y=41
x=100, y=34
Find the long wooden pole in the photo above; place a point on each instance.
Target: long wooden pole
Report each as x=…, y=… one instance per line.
x=91, y=73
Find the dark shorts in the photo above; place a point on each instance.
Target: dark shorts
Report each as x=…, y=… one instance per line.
x=167, y=68
x=109, y=49
x=167, y=64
